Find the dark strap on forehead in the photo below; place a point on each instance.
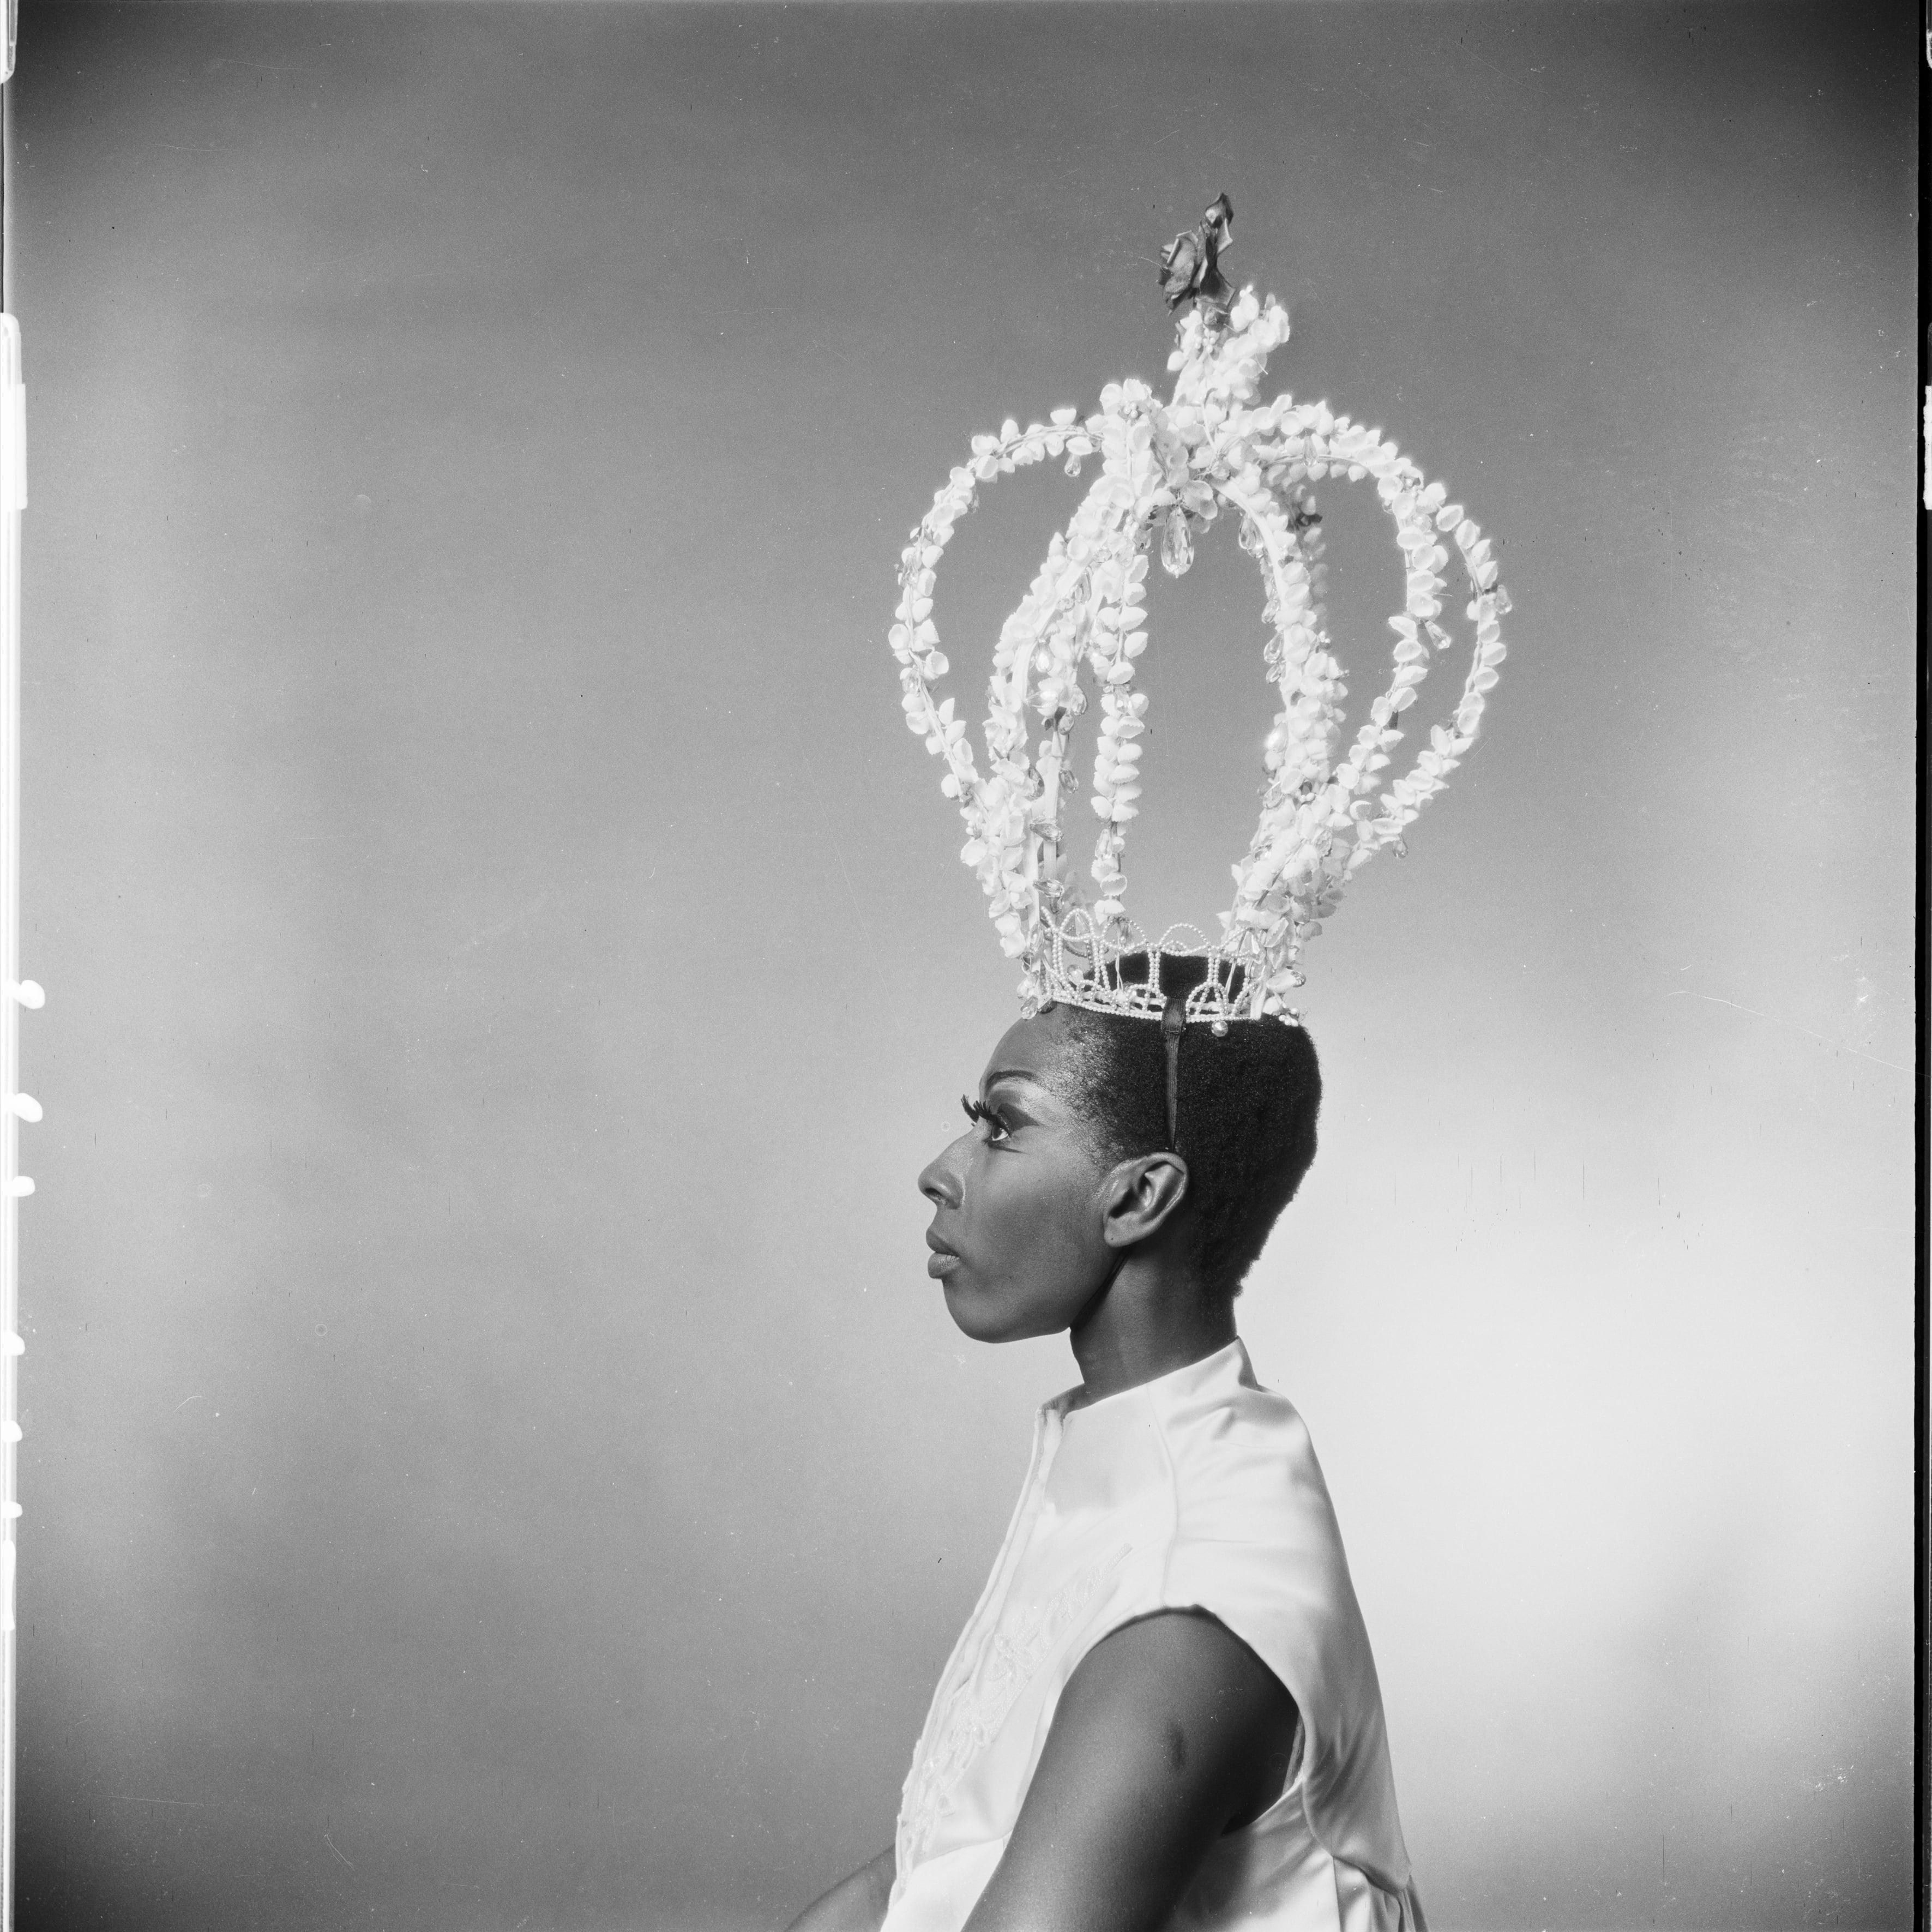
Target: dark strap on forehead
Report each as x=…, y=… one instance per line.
x=1173, y=1020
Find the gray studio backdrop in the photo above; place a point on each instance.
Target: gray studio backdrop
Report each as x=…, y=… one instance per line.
x=493, y=1459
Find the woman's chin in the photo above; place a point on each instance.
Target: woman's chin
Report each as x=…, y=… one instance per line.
x=973, y=1317
x=983, y=1318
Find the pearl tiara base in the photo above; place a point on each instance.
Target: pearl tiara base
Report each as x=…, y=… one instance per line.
x=1115, y=970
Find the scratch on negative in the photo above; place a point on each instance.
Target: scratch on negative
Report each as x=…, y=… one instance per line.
x=858, y=906
x=335, y=1848
x=1837, y=1046
x=503, y=925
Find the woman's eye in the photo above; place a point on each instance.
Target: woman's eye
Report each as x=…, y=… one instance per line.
x=980, y=1115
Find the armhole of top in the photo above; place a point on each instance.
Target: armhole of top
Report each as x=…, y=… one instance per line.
x=1297, y=1748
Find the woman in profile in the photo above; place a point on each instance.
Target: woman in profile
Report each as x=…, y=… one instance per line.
x=1163, y=1711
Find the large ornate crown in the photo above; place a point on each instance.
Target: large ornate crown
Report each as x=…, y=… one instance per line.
x=1167, y=469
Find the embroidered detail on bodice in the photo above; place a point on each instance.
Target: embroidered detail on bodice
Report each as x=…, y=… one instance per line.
x=982, y=1699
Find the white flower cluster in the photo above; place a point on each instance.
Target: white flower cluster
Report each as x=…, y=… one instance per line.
x=1167, y=470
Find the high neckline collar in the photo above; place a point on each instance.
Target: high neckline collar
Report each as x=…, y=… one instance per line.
x=1228, y=1364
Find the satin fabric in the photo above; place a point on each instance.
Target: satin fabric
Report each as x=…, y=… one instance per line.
x=1198, y=1490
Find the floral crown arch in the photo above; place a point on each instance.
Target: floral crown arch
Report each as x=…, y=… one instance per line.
x=1168, y=468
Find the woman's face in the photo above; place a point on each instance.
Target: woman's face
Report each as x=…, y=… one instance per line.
x=1016, y=1233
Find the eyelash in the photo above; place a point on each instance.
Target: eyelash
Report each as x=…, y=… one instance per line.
x=976, y=1112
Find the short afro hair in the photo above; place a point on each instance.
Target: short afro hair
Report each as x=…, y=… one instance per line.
x=1245, y=1121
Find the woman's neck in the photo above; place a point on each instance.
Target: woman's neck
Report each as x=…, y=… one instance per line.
x=1154, y=1317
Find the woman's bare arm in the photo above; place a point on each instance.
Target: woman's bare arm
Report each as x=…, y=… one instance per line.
x=1170, y=1732
x=854, y=1904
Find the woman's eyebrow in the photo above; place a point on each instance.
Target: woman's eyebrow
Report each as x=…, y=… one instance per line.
x=1005, y=1073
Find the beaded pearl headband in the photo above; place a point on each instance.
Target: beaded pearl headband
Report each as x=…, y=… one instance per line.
x=1169, y=469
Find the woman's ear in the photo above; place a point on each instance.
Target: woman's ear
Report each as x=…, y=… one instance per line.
x=1141, y=1197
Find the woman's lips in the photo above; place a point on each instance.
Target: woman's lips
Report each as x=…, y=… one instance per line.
x=941, y=1262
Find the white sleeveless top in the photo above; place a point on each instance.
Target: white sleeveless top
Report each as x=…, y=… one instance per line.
x=1198, y=1490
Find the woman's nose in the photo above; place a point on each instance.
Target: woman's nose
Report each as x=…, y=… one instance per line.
x=939, y=1181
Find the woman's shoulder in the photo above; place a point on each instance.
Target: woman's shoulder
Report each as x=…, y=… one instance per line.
x=1243, y=1462
x=1253, y=1539
x=1254, y=1542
